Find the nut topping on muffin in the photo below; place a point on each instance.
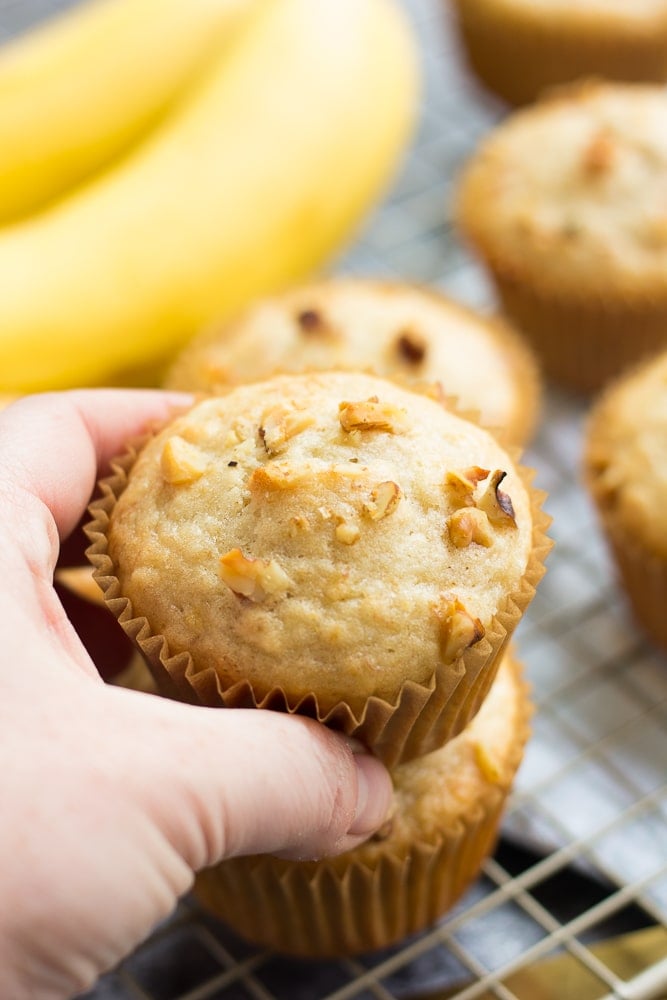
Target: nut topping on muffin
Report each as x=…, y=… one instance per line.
x=469, y=525
x=384, y=500
x=372, y=415
x=252, y=578
x=181, y=462
x=497, y=504
x=461, y=485
x=458, y=628
x=600, y=154
x=280, y=423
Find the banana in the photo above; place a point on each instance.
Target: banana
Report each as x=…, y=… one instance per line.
x=78, y=91
x=250, y=186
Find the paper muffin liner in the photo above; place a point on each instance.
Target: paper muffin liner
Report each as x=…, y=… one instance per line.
x=348, y=905
x=584, y=343
x=644, y=577
x=423, y=716
x=518, y=57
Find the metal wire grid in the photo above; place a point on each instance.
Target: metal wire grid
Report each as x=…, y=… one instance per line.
x=590, y=801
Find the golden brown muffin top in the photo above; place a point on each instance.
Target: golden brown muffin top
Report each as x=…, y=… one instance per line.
x=626, y=454
x=570, y=194
x=329, y=532
x=392, y=329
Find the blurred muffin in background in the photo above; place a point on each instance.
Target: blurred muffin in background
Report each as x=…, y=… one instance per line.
x=394, y=329
x=517, y=48
x=625, y=469
x=565, y=203
x=446, y=812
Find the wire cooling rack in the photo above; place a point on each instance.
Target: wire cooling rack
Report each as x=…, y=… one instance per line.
x=574, y=902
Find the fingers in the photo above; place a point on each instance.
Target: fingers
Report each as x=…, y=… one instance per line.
x=226, y=782
x=52, y=445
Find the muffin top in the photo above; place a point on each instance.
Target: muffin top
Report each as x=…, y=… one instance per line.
x=326, y=532
x=626, y=454
x=570, y=193
x=392, y=329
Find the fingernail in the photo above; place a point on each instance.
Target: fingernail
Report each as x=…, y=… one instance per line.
x=374, y=795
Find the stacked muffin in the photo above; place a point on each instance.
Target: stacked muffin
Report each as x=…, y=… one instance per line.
x=337, y=544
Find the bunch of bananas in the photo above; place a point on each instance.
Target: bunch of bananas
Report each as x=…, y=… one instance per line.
x=164, y=161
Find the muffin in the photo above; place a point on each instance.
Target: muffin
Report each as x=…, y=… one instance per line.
x=566, y=205
x=393, y=329
x=329, y=543
x=447, y=808
x=626, y=473
x=517, y=48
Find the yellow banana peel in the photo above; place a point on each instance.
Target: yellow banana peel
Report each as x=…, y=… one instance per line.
x=248, y=186
x=78, y=91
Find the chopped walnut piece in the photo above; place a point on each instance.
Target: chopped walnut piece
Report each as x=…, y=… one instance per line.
x=468, y=526
x=411, y=346
x=281, y=423
x=599, y=155
x=486, y=763
x=372, y=415
x=458, y=629
x=384, y=500
x=495, y=503
x=347, y=533
x=276, y=476
x=255, y=579
x=461, y=486
x=181, y=462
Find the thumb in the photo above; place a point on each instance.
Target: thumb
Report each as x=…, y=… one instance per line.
x=225, y=782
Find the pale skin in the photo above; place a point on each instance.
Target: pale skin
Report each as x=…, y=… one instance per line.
x=112, y=799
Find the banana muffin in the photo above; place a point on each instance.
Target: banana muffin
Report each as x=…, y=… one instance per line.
x=626, y=472
x=446, y=811
x=394, y=329
x=517, y=48
x=328, y=543
x=565, y=203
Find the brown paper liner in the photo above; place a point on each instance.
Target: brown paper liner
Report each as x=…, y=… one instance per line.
x=423, y=716
x=644, y=578
x=518, y=57
x=343, y=906
x=583, y=344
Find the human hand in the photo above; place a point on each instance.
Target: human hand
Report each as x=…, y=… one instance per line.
x=111, y=799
